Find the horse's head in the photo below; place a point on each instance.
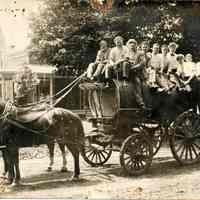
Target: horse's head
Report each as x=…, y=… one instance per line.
x=2, y=107
x=5, y=109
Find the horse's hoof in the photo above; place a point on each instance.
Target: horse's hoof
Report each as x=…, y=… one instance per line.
x=3, y=177
x=16, y=184
x=8, y=182
x=49, y=169
x=75, y=178
x=64, y=169
x=4, y=174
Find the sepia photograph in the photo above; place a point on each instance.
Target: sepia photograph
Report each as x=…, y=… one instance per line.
x=100, y=99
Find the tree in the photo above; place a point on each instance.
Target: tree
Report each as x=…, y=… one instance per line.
x=67, y=32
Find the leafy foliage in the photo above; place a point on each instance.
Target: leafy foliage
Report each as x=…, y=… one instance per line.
x=67, y=32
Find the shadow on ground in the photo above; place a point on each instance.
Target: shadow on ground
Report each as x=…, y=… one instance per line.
x=51, y=180
x=90, y=176
x=161, y=167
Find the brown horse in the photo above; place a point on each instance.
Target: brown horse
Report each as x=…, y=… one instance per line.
x=35, y=128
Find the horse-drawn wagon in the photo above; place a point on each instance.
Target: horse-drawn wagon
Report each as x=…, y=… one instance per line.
x=120, y=125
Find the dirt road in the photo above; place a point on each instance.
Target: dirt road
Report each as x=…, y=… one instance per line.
x=165, y=180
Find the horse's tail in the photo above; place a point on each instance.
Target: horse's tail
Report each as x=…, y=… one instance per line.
x=77, y=134
x=80, y=133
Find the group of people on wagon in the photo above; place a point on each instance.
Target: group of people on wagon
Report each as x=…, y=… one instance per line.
x=159, y=67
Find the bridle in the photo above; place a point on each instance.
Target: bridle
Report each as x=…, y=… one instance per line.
x=8, y=109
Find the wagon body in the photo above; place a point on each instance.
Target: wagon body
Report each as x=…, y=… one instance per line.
x=118, y=124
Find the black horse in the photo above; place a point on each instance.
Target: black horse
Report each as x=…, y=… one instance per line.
x=51, y=147
x=54, y=124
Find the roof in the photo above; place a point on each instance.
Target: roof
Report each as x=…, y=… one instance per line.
x=39, y=69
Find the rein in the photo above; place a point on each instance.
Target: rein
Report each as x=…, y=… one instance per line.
x=10, y=109
x=19, y=125
x=66, y=89
x=40, y=133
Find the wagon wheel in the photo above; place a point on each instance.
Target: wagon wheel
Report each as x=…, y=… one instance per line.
x=185, y=138
x=136, y=154
x=156, y=134
x=95, y=153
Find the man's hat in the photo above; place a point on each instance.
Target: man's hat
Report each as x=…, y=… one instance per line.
x=131, y=41
x=171, y=44
x=103, y=42
x=156, y=44
x=118, y=38
x=164, y=46
x=180, y=56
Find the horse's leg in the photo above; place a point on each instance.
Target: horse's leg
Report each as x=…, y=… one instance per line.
x=51, y=155
x=5, y=162
x=10, y=165
x=16, y=165
x=62, y=149
x=75, y=153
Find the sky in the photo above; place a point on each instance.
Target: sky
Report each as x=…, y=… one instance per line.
x=14, y=22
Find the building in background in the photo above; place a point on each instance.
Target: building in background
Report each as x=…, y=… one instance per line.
x=11, y=61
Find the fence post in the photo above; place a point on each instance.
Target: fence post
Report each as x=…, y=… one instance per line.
x=51, y=88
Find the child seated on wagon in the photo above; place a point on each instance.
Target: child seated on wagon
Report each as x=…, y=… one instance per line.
x=96, y=69
x=117, y=57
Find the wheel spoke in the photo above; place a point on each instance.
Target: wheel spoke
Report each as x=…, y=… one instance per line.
x=144, y=158
x=138, y=166
x=101, y=153
x=128, y=157
x=186, y=152
x=92, y=152
x=128, y=162
x=179, y=148
x=190, y=151
x=97, y=157
x=182, y=151
x=196, y=145
x=93, y=156
x=142, y=165
x=134, y=166
x=194, y=150
x=105, y=152
x=88, y=150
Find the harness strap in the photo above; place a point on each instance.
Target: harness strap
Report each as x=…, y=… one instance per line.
x=69, y=86
x=15, y=123
x=68, y=91
x=19, y=125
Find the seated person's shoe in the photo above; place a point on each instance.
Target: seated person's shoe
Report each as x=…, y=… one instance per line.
x=160, y=89
x=107, y=85
x=125, y=84
x=92, y=78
